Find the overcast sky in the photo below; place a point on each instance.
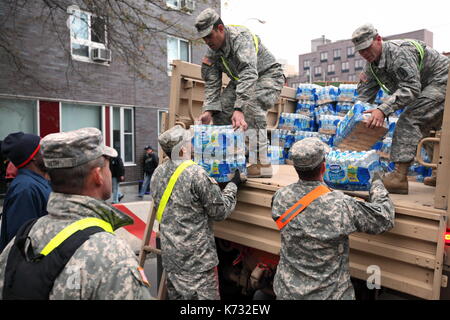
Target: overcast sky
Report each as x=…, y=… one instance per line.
x=291, y=24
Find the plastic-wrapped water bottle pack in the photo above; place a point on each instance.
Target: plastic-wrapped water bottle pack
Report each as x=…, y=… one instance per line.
x=347, y=93
x=351, y=170
x=305, y=107
x=307, y=91
x=327, y=94
x=295, y=121
x=328, y=123
x=276, y=155
x=352, y=132
x=300, y=135
x=282, y=138
x=381, y=97
x=342, y=108
x=219, y=150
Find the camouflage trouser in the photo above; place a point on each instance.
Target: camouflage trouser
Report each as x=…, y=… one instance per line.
x=193, y=286
x=266, y=93
x=416, y=122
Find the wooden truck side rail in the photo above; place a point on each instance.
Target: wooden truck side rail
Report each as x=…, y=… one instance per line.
x=410, y=256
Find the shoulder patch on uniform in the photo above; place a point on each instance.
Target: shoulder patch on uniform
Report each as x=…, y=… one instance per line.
x=207, y=61
x=402, y=73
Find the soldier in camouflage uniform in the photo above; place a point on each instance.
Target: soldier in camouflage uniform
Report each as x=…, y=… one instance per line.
x=103, y=267
x=417, y=83
x=189, y=253
x=256, y=80
x=314, y=254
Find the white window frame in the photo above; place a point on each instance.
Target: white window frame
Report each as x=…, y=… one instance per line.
x=359, y=63
x=306, y=64
x=324, y=56
x=352, y=51
x=352, y=77
x=346, y=63
x=317, y=68
x=169, y=68
x=89, y=43
x=177, y=6
x=122, y=132
x=331, y=68
x=335, y=55
x=335, y=79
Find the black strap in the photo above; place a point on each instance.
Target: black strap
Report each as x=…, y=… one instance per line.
x=32, y=277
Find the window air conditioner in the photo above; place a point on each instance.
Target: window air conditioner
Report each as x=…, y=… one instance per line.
x=188, y=5
x=101, y=55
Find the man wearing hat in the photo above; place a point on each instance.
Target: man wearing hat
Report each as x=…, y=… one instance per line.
x=28, y=193
x=256, y=80
x=186, y=216
x=315, y=223
x=415, y=77
x=150, y=163
x=72, y=253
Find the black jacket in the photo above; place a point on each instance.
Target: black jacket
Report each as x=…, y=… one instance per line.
x=116, y=167
x=150, y=162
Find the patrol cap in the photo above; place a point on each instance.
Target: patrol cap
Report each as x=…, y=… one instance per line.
x=363, y=36
x=148, y=147
x=172, y=137
x=74, y=148
x=205, y=21
x=308, y=153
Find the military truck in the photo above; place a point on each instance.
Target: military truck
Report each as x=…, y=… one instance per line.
x=412, y=257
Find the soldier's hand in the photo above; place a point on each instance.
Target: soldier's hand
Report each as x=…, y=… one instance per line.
x=376, y=176
x=237, y=178
x=206, y=117
x=238, y=120
x=376, y=119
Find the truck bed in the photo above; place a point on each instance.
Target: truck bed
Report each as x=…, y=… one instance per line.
x=409, y=255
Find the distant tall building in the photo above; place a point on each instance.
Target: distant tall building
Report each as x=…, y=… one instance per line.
x=338, y=61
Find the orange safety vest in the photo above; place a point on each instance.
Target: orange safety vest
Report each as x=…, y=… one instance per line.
x=300, y=205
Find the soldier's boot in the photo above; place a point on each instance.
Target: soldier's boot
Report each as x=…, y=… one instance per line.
x=430, y=181
x=397, y=180
x=259, y=171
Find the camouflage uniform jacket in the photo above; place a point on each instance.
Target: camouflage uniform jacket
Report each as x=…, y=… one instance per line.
x=314, y=245
x=104, y=267
x=398, y=69
x=187, y=238
x=239, y=52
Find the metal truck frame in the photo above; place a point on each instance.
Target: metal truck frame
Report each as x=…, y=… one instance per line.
x=411, y=256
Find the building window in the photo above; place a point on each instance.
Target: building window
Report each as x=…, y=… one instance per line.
x=77, y=116
x=334, y=79
x=331, y=69
x=336, y=54
x=87, y=32
x=306, y=64
x=323, y=56
x=350, y=52
x=184, y=5
x=345, y=66
x=123, y=132
x=18, y=115
x=177, y=49
x=359, y=64
x=317, y=71
x=352, y=78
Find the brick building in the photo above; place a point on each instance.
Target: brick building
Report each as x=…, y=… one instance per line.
x=338, y=61
x=67, y=83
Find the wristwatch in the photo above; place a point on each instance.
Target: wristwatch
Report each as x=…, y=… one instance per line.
x=238, y=109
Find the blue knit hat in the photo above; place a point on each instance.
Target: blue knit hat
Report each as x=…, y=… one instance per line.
x=20, y=148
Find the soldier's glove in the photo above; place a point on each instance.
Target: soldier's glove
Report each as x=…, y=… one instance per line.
x=237, y=179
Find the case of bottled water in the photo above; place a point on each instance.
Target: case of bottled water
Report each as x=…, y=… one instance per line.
x=351, y=170
x=219, y=150
x=327, y=94
x=347, y=93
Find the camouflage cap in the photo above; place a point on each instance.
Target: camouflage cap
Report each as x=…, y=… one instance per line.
x=205, y=22
x=363, y=36
x=74, y=148
x=172, y=137
x=308, y=153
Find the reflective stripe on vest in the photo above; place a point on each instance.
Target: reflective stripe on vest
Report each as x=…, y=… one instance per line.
x=168, y=192
x=224, y=61
x=421, y=54
x=300, y=205
x=74, y=227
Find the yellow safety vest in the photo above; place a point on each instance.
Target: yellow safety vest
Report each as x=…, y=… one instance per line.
x=168, y=191
x=224, y=61
x=421, y=54
x=72, y=228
